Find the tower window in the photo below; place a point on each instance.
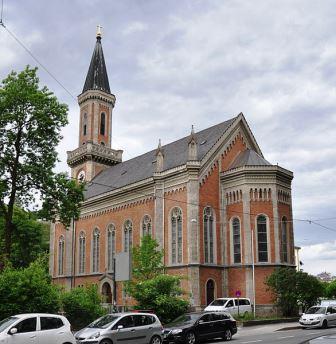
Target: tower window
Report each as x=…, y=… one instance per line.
x=262, y=238
x=102, y=123
x=208, y=234
x=84, y=124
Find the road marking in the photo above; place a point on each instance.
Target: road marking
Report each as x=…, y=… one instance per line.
x=286, y=337
x=308, y=334
x=253, y=341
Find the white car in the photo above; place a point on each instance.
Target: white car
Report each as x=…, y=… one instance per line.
x=36, y=328
x=318, y=316
x=231, y=305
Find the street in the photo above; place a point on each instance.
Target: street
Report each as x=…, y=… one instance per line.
x=276, y=333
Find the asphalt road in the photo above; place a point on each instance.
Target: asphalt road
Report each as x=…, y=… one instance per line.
x=278, y=334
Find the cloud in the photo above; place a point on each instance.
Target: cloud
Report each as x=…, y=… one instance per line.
x=134, y=27
x=319, y=258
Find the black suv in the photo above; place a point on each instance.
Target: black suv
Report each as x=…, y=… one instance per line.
x=193, y=327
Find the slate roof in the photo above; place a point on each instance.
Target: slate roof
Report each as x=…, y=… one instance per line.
x=97, y=78
x=249, y=158
x=143, y=166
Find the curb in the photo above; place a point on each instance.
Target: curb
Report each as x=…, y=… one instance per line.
x=267, y=321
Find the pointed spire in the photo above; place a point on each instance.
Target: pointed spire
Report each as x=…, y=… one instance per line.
x=159, y=157
x=192, y=145
x=97, y=78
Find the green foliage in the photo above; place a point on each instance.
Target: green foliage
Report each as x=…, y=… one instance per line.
x=150, y=287
x=330, y=290
x=28, y=290
x=293, y=288
x=82, y=305
x=147, y=259
x=30, y=130
x=30, y=238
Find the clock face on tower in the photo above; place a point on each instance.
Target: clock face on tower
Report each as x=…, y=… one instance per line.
x=81, y=176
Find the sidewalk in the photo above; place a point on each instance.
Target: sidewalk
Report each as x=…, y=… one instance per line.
x=261, y=329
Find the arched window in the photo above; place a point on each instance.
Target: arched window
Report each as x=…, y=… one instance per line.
x=102, y=123
x=176, y=235
x=84, y=124
x=61, y=255
x=262, y=238
x=95, y=250
x=208, y=235
x=81, y=253
x=284, y=240
x=236, y=240
x=146, y=225
x=111, y=247
x=128, y=236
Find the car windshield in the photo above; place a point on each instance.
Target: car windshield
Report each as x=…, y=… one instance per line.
x=218, y=302
x=7, y=322
x=316, y=310
x=104, y=322
x=185, y=318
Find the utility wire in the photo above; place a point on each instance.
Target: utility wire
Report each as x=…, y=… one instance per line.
x=204, y=205
x=37, y=60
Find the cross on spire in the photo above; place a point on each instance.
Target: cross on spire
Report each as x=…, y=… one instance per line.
x=99, y=31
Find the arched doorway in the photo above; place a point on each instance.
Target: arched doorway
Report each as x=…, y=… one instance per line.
x=107, y=292
x=210, y=291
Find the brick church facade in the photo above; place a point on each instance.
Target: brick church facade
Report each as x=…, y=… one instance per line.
x=207, y=199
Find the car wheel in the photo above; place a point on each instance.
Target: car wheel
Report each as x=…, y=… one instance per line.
x=155, y=340
x=191, y=338
x=227, y=334
x=325, y=324
x=105, y=341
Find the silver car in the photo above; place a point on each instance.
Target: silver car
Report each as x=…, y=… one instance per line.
x=129, y=328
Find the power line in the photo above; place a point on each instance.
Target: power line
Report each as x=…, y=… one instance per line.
x=37, y=60
x=204, y=205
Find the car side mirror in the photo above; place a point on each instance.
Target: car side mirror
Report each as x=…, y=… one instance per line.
x=201, y=321
x=13, y=330
x=328, y=313
x=120, y=327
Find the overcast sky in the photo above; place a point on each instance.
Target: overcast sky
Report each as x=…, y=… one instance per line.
x=181, y=62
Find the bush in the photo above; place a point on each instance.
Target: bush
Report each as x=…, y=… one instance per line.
x=82, y=305
x=161, y=294
x=28, y=290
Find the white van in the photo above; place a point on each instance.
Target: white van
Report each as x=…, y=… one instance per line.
x=230, y=304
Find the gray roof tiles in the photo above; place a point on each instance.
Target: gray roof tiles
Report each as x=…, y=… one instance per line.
x=143, y=166
x=249, y=158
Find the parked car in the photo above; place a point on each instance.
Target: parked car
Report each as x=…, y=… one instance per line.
x=318, y=316
x=192, y=327
x=131, y=327
x=230, y=305
x=36, y=328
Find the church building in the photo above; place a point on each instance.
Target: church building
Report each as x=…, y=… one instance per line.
x=221, y=211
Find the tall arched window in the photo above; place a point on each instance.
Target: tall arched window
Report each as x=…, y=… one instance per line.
x=262, y=238
x=176, y=235
x=81, y=252
x=84, y=124
x=146, y=225
x=128, y=227
x=236, y=240
x=61, y=249
x=102, y=123
x=208, y=235
x=95, y=250
x=111, y=247
x=284, y=240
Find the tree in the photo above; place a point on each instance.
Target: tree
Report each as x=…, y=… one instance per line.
x=30, y=238
x=151, y=287
x=82, y=305
x=28, y=290
x=293, y=288
x=31, y=119
x=331, y=290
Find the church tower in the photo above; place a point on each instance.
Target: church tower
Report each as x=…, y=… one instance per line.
x=96, y=102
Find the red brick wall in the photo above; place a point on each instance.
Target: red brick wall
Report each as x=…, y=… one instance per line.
x=209, y=196
x=263, y=296
x=236, y=147
x=236, y=281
